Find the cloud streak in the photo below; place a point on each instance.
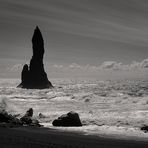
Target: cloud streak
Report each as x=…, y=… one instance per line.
x=107, y=65
x=113, y=65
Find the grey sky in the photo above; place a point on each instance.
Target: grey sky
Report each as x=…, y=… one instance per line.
x=76, y=31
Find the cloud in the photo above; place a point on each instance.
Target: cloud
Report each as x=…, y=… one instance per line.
x=83, y=67
x=57, y=66
x=106, y=65
x=16, y=67
x=139, y=65
x=134, y=65
x=111, y=65
x=144, y=63
x=75, y=65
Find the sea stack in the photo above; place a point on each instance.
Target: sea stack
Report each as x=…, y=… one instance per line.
x=34, y=75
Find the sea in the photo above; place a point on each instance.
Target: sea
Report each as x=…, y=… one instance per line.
x=111, y=107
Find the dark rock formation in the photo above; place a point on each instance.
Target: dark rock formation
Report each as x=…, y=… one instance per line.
x=28, y=120
x=34, y=76
x=70, y=119
x=8, y=118
x=144, y=128
x=29, y=113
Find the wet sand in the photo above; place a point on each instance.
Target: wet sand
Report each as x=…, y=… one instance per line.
x=32, y=137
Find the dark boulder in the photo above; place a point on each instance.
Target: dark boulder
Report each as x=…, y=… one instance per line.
x=5, y=117
x=144, y=128
x=34, y=75
x=28, y=119
x=68, y=120
x=8, y=118
x=29, y=112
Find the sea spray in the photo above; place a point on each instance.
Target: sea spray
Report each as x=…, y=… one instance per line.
x=3, y=103
x=7, y=105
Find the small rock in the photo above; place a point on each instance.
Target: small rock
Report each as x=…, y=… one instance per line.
x=4, y=116
x=29, y=113
x=27, y=118
x=144, y=128
x=41, y=115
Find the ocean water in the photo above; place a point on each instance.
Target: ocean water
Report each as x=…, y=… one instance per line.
x=105, y=107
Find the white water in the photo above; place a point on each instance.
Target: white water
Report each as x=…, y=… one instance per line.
x=110, y=107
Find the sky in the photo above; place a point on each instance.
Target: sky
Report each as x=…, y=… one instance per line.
x=83, y=38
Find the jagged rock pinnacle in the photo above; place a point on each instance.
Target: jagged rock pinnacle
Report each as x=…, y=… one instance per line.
x=37, y=43
x=34, y=76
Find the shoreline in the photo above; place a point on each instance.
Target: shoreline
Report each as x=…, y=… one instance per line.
x=44, y=137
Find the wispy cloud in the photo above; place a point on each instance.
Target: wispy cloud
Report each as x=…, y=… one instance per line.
x=111, y=65
x=75, y=65
x=16, y=67
x=144, y=63
x=57, y=66
x=107, y=65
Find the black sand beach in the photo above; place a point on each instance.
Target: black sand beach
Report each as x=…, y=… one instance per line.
x=32, y=137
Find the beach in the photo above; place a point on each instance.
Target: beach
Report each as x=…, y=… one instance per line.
x=32, y=137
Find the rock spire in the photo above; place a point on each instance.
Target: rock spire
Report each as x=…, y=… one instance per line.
x=34, y=75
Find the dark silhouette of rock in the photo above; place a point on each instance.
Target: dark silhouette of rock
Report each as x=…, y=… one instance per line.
x=8, y=118
x=29, y=113
x=144, y=128
x=4, y=117
x=70, y=119
x=34, y=76
x=28, y=120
